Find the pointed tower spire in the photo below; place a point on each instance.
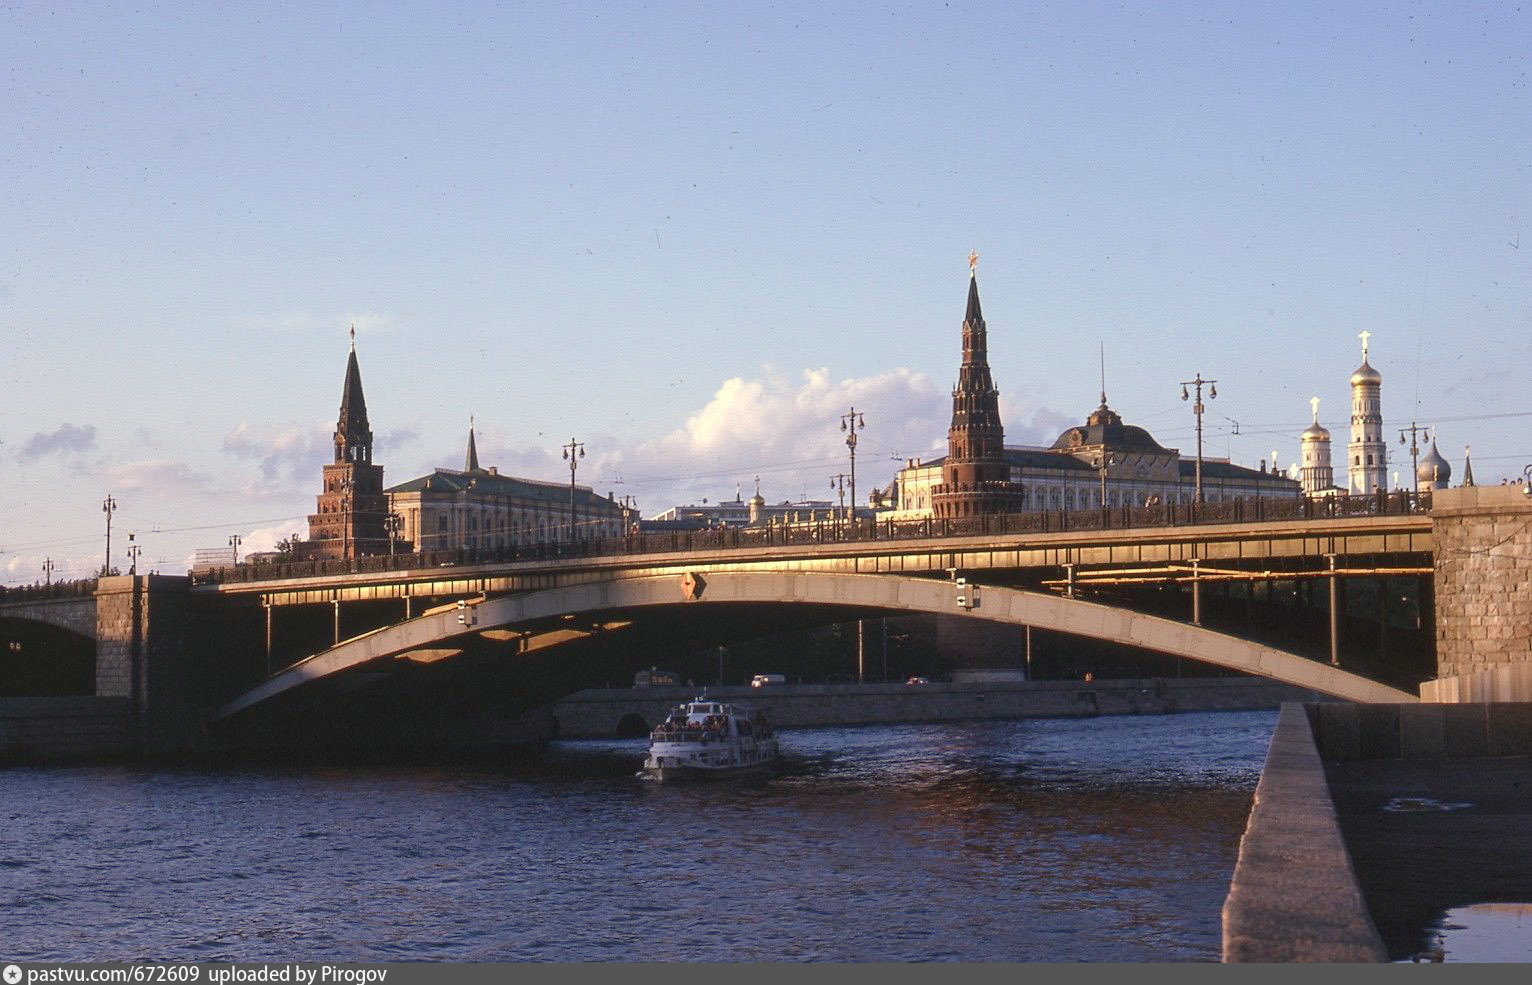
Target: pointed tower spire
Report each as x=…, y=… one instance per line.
x=1103, y=373
x=353, y=436
x=471, y=462
x=1467, y=466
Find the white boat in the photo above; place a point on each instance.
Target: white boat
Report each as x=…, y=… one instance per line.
x=706, y=738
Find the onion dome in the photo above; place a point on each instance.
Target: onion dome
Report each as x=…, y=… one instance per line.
x=1366, y=375
x=1315, y=432
x=1433, y=468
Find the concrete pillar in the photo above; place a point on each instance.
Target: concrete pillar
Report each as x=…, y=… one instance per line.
x=1334, y=613
x=1196, y=594
x=336, y=623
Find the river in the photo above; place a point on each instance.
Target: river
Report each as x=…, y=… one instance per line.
x=1103, y=839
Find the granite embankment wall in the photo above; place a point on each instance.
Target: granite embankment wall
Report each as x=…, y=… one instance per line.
x=603, y=713
x=63, y=729
x=1295, y=895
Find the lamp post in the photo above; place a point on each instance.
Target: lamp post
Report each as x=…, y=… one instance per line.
x=852, y=423
x=1197, y=409
x=838, y=483
x=234, y=541
x=108, y=506
x=573, y=452
x=47, y=571
x=134, y=552
x=1526, y=481
x=1101, y=467
x=391, y=523
x=1424, y=435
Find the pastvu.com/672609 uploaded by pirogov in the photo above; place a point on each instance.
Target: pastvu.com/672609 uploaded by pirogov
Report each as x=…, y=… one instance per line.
x=257, y=974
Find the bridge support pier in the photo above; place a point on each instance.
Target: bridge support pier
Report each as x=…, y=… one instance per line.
x=1482, y=537
x=336, y=631
x=145, y=638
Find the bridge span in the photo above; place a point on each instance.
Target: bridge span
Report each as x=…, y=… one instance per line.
x=624, y=596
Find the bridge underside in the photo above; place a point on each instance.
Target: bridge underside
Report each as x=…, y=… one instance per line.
x=418, y=664
x=39, y=658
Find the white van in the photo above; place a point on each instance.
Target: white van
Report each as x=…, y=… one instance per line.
x=761, y=680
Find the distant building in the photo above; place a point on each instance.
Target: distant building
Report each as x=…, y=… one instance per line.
x=478, y=508
x=351, y=512
x=740, y=512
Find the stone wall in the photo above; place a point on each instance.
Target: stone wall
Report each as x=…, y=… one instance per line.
x=66, y=728
x=1482, y=538
x=599, y=712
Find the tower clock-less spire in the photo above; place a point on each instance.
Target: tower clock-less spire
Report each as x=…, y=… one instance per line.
x=353, y=437
x=975, y=478
x=471, y=461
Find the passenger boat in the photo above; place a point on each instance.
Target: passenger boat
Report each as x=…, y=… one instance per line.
x=706, y=738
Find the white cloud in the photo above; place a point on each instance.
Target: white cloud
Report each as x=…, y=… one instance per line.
x=289, y=459
x=786, y=431
x=267, y=538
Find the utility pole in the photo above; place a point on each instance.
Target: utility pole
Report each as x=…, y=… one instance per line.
x=47, y=571
x=108, y=506
x=1424, y=435
x=852, y=423
x=1197, y=409
x=573, y=452
x=234, y=541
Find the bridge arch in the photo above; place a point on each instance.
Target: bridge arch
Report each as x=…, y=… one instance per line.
x=888, y=593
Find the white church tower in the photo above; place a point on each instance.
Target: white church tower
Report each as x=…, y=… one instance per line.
x=1318, y=475
x=1367, y=453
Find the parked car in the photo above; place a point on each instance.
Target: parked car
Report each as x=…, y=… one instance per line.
x=918, y=680
x=762, y=680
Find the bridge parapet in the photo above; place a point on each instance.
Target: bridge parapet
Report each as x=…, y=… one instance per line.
x=864, y=535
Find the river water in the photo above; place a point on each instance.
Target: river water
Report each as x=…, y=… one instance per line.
x=1107, y=839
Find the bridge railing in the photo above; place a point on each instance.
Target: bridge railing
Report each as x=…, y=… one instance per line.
x=1252, y=510
x=81, y=587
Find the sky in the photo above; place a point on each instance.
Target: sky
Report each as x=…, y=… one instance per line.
x=691, y=236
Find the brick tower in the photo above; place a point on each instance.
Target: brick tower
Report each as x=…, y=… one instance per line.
x=352, y=508
x=975, y=477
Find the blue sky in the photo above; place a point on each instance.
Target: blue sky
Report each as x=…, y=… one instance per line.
x=692, y=235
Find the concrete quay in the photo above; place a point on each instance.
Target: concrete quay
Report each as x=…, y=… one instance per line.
x=1371, y=821
x=609, y=712
x=65, y=729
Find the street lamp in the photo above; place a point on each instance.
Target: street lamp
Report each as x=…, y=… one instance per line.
x=391, y=523
x=573, y=452
x=1425, y=435
x=1197, y=409
x=1526, y=481
x=1101, y=467
x=108, y=506
x=852, y=423
x=234, y=541
x=134, y=552
x=48, y=571
x=838, y=483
